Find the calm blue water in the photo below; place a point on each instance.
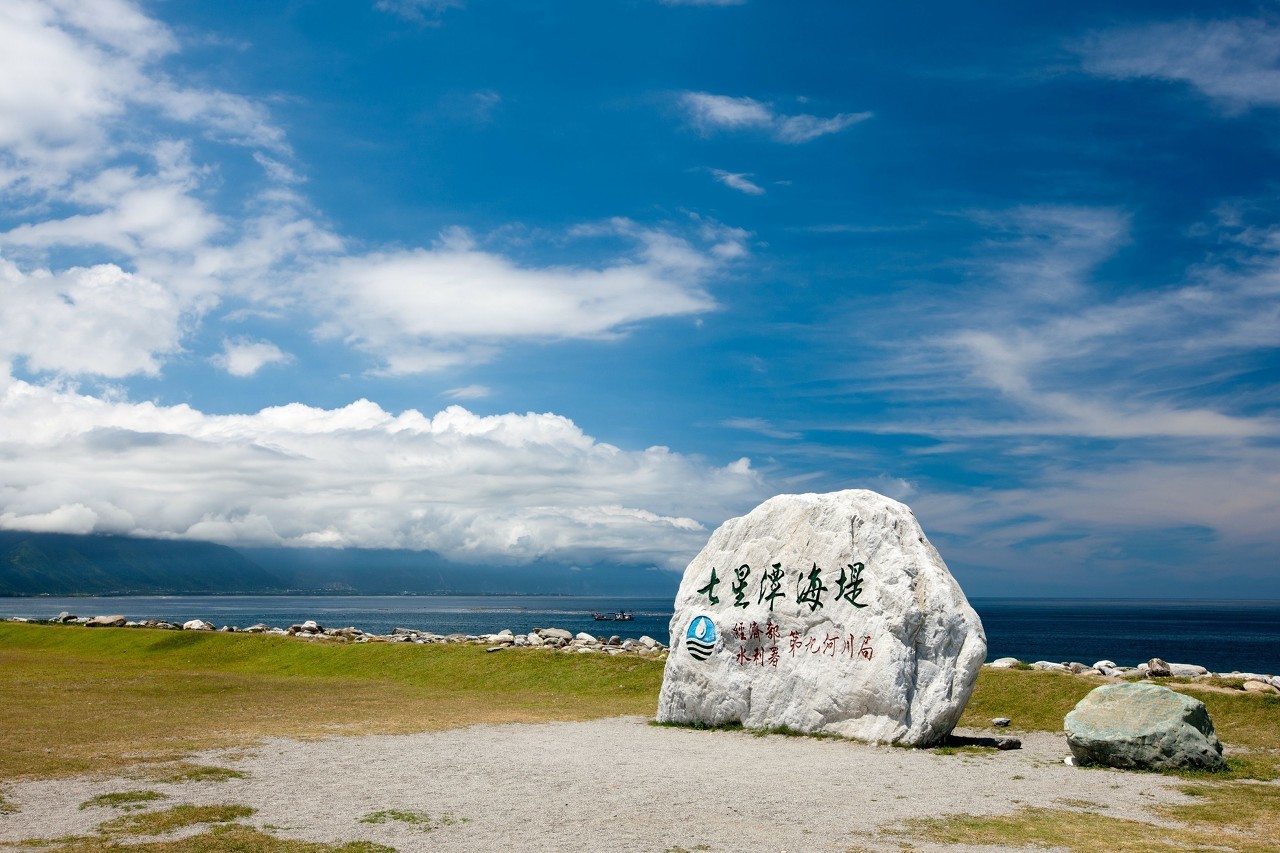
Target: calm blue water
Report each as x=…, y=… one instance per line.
x=1221, y=635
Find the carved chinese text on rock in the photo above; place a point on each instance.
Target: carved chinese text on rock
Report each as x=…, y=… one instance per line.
x=751, y=643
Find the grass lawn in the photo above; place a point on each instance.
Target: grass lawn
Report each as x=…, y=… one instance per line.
x=74, y=700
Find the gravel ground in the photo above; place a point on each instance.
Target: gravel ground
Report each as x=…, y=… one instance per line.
x=615, y=784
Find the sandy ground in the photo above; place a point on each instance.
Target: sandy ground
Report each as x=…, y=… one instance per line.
x=616, y=784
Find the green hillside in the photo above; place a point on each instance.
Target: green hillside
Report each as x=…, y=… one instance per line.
x=63, y=564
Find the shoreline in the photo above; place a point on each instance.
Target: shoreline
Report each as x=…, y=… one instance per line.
x=559, y=638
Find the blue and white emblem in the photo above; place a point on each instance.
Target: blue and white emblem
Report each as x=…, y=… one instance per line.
x=701, y=637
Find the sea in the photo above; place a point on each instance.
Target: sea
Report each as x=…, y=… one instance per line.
x=1220, y=635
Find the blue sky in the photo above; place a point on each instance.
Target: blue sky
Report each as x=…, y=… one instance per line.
x=578, y=281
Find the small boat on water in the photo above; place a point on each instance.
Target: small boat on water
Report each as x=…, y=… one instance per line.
x=620, y=616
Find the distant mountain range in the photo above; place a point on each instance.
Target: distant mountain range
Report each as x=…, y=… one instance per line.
x=64, y=564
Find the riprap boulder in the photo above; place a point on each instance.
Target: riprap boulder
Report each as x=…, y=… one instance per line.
x=823, y=613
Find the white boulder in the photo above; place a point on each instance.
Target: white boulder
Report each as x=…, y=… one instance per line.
x=823, y=613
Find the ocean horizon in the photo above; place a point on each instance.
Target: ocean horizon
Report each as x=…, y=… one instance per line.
x=1222, y=635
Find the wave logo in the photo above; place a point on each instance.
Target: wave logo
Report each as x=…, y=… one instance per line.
x=700, y=639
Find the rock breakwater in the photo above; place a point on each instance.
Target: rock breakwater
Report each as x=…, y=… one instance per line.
x=1253, y=682
x=550, y=639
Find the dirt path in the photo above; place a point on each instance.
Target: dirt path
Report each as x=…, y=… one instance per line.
x=616, y=784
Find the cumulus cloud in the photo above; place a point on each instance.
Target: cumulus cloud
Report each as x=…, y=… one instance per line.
x=739, y=181
x=100, y=320
x=507, y=487
x=1234, y=62
x=245, y=357
x=429, y=309
x=709, y=113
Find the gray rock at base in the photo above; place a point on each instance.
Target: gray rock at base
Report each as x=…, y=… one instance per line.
x=584, y=637
x=198, y=625
x=106, y=622
x=1050, y=666
x=1076, y=667
x=1105, y=664
x=64, y=616
x=555, y=634
x=1004, y=663
x=1000, y=722
x=826, y=613
x=1141, y=725
x=1156, y=668
x=1187, y=670
x=1263, y=687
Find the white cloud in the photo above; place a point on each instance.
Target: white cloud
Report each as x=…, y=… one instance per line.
x=469, y=392
x=507, y=487
x=739, y=181
x=1234, y=62
x=72, y=71
x=761, y=426
x=86, y=172
x=89, y=173
x=428, y=309
x=420, y=11
x=100, y=320
x=1057, y=355
x=709, y=113
x=245, y=357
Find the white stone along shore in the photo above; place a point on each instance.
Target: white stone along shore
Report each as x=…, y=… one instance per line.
x=1254, y=682
x=545, y=638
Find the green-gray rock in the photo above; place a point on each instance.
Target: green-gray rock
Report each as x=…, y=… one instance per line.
x=1142, y=726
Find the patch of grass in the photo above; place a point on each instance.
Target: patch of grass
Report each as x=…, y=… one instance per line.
x=187, y=772
x=151, y=693
x=1241, y=816
x=175, y=817
x=1247, y=807
x=701, y=727
x=6, y=807
x=1076, y=803
x=1034, y=700
x=230, y=838
x=967, y=749
x=126, y=800
x=417, y=819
